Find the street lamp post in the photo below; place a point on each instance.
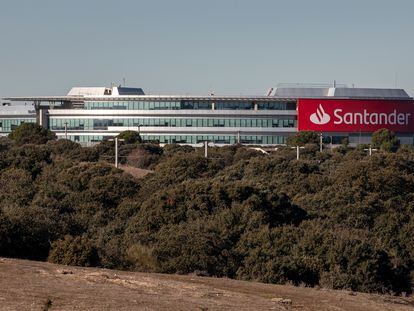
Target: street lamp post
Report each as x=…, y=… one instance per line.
x=66, y=130
x=206, y=149
x=370, y=149
x=320, y=142
x=139, y=132
x=297, y=151
x=116, y=149
x=116, y=152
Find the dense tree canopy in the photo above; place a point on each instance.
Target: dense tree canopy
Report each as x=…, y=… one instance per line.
x=385, y=140
x=130, y=137
x=302, y=138
x=337, y=219
x=31, y=133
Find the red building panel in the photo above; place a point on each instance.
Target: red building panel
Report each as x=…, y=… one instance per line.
x=352, y=115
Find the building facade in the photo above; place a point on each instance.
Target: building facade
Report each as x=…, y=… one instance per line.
x=12, y=116
x=90, y=115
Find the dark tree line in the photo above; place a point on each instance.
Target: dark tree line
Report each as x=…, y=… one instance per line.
x=337, y=219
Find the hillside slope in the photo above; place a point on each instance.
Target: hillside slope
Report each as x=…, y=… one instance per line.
x=30, y=285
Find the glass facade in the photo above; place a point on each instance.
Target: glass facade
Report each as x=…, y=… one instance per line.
x=86, y=138
x=102, y=124
x=210, y=123
x=218, y=139
x=8, y=124
x=162, y=104
x=89, y=115
x=193, y=139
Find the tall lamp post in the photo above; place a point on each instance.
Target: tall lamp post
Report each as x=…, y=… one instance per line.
x=206, y=149
x=297, y=151
x=66, y=130
x=139, y=131
x=370, y=149
x=116, y=139
x=321, y=142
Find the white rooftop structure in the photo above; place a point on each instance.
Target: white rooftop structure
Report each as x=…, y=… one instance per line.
x=18, y=110
x=282, y=92
x=105, y=91
x=338, y=92
x=89, y=91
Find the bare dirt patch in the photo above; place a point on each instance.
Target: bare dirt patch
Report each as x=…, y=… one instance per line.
x=28, y=285
x=134, y=171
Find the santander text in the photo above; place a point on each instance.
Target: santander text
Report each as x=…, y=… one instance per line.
x=374, y=118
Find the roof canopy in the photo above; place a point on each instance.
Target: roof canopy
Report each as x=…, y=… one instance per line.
x=341, y=92
x=105, y=91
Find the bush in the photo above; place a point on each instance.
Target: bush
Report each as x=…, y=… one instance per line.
x=302, y=138
x=172, y=149
x=74, y=251
x=31, y=133
x=334, y=219
x=25, y=232
x=141, y=258
x=74, y=151
x=385, y=140
x=144, y=156
x=16, y=187
x=130, y=137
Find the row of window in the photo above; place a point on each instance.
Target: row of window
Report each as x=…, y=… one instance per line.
x=218, y=139
x=86, y=138
x=7, y=125
x=102, y=124
x=188, y=104
x=194, y=139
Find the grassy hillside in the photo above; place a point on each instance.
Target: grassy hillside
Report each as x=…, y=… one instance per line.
x=337, y=219
x=29, y=285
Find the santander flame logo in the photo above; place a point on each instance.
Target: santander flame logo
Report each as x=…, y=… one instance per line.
x=320, y=116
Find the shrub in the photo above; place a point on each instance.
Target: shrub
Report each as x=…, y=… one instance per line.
x=130, y=137
x=141, y=258
x=31, y=133
x=25, y=232
x=385, y=140
x=302, y=138
x=144, y=156
x=336, y=219
x=75, y=251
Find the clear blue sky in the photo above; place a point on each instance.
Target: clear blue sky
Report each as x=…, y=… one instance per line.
x=194, y=46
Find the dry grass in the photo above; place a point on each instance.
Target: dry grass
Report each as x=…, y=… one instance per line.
x=134, y=171
x=28, y=285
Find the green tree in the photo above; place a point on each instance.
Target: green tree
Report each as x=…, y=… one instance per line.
x=302, y=138
x=385, y=140
x=130, y=137
x=31, y=133
x=334, y=219
x=75, y=251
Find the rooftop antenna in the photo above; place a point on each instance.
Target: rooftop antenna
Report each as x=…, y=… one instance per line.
x=211, y=90
x=334, y=85
x=124, y=81
x=269, y=92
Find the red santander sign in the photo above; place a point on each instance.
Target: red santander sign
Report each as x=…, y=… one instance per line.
x=352, y=115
